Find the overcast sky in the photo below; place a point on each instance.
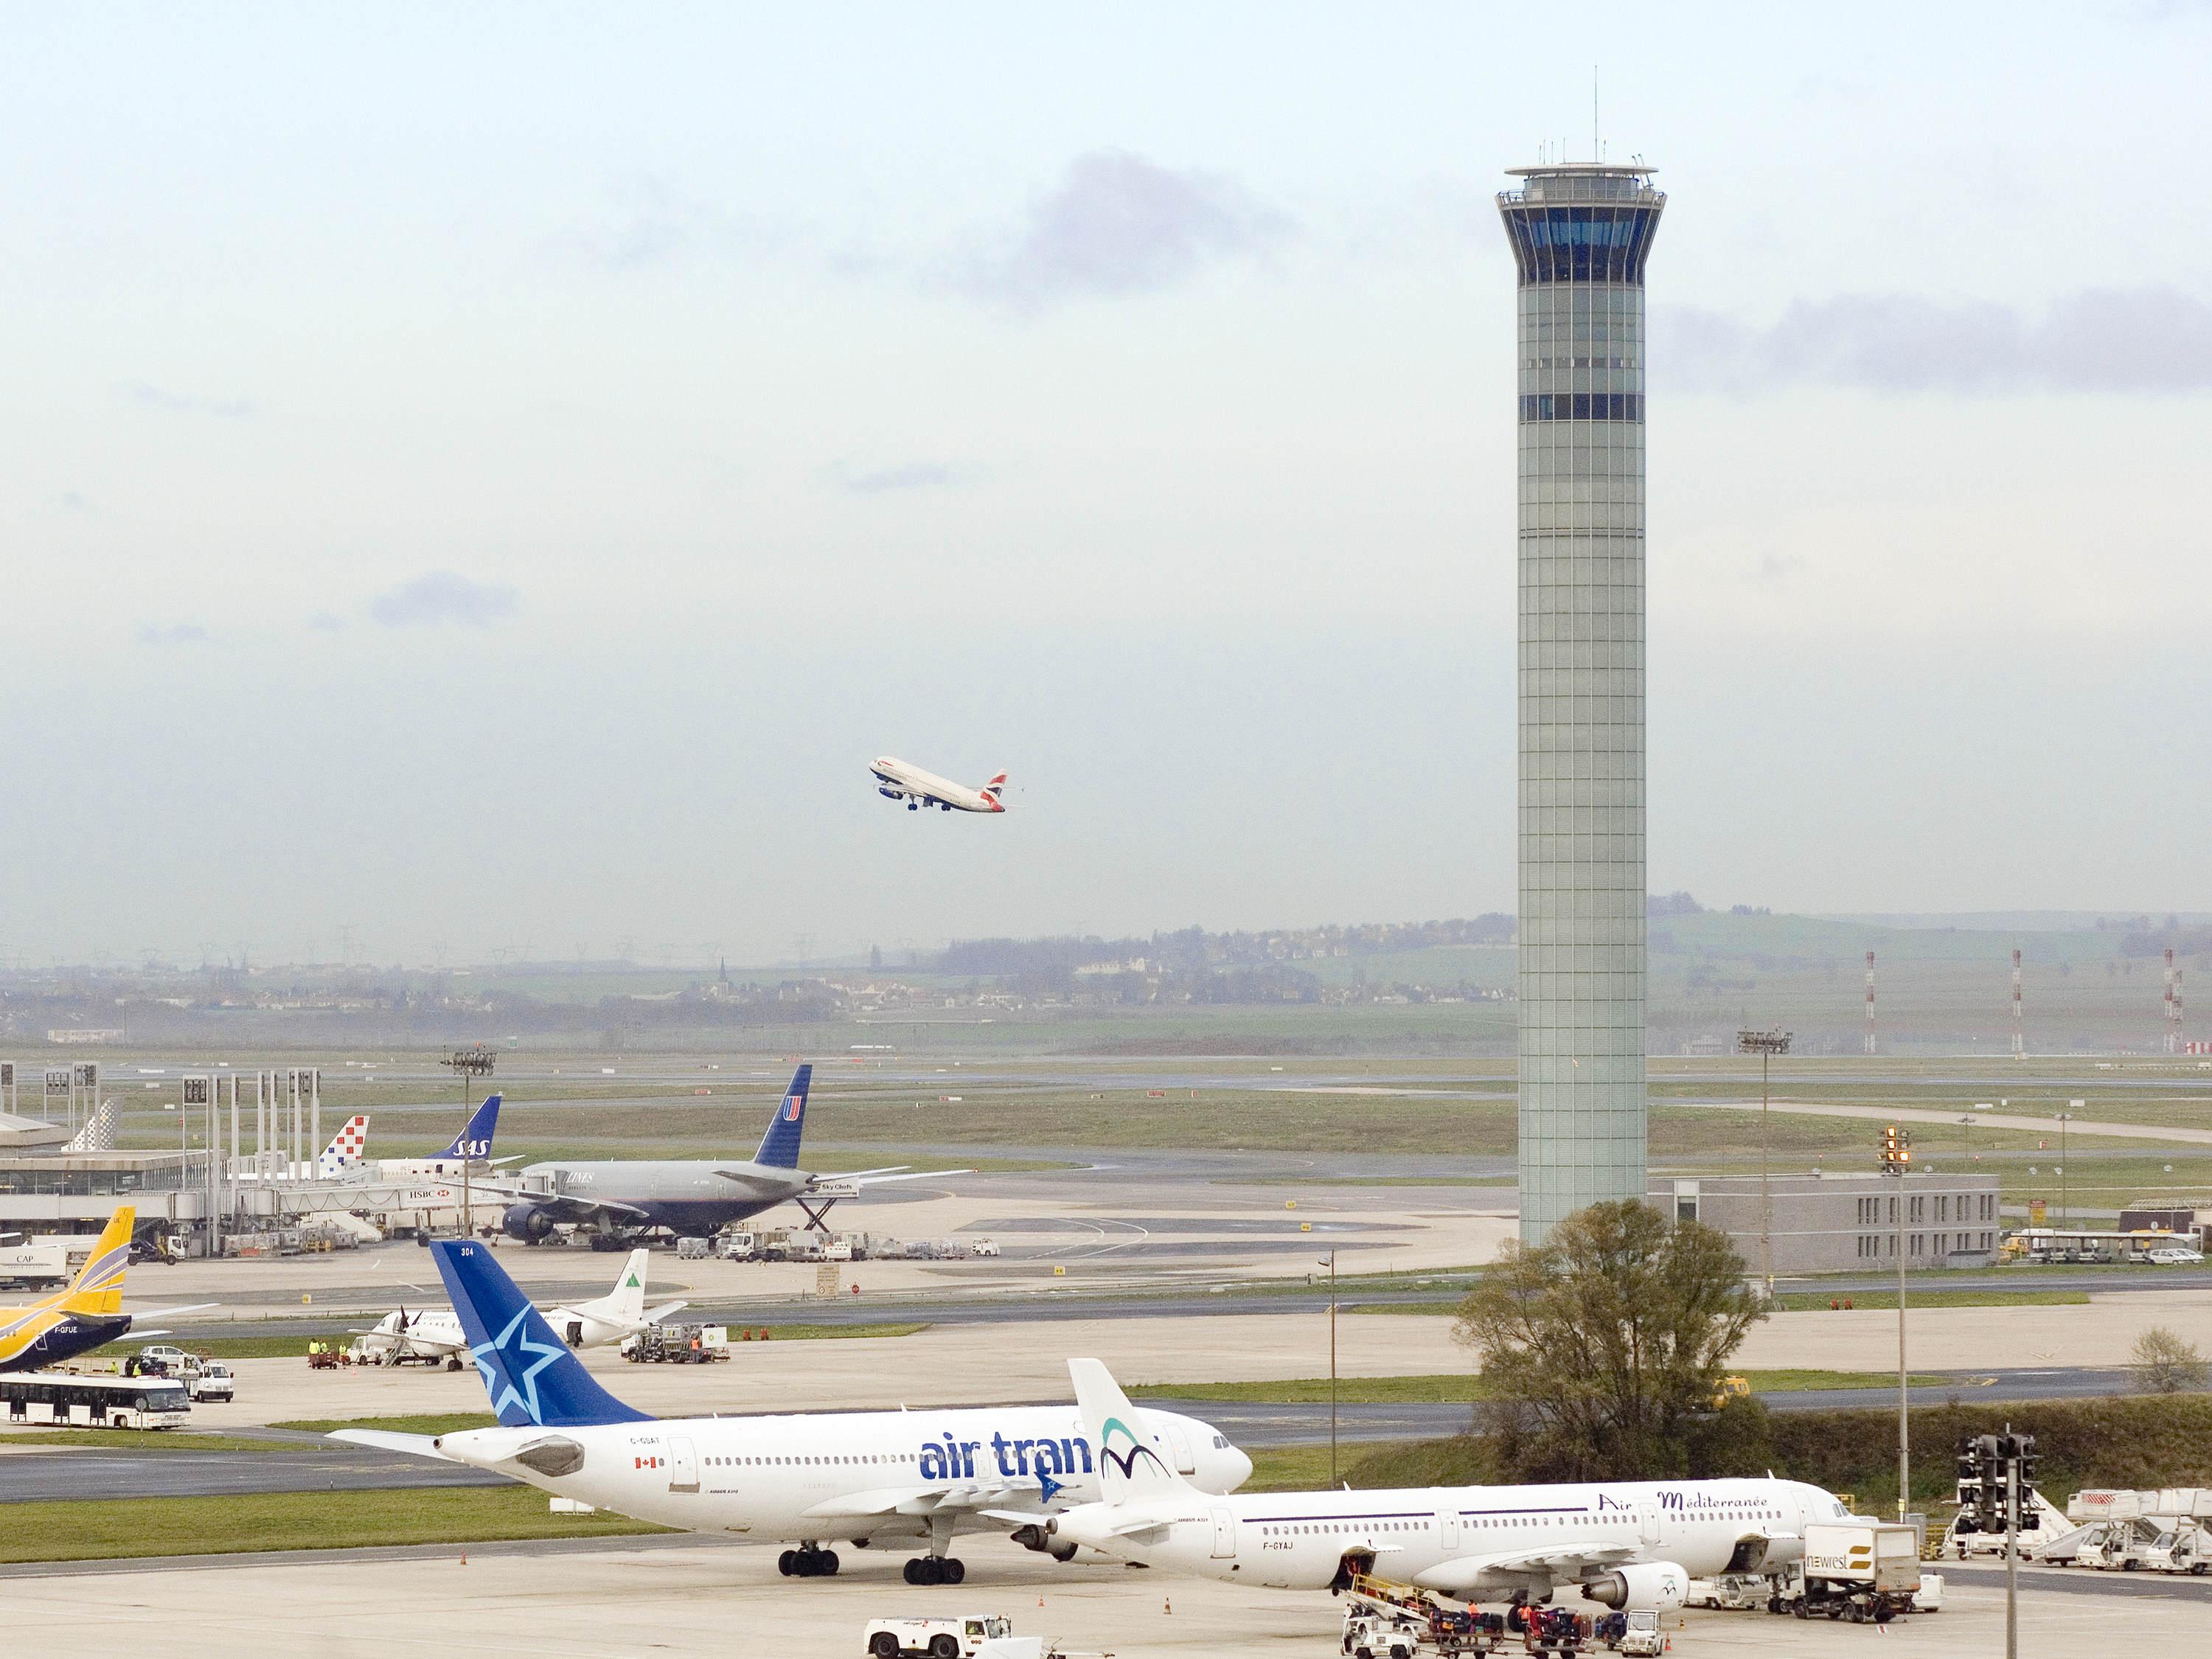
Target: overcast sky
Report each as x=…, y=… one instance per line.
x=494, y=482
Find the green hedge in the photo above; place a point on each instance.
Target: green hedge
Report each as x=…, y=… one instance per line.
x=2129, y=1441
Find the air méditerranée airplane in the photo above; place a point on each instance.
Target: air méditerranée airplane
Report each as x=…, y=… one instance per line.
x=85, y=1314
x=435, y=1335
x=871, y=1477
x=1624, y=1544
x=896, y=781
x=692, y=1198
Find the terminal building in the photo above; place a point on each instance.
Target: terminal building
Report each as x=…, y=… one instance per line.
x=1834, y=1223
x=1581, y=235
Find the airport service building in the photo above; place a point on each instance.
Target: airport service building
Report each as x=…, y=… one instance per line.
x=1581, y=235
x=1839, y=1223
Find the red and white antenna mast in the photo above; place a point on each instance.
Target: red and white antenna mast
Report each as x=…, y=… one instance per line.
x=1869, y=1008
x=2019, y=1040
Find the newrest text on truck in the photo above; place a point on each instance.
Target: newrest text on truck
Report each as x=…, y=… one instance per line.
x=1855, y=1570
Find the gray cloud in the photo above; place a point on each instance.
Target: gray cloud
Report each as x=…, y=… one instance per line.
x=161, y=634
x=443, y=596
x=1117, y=224
x=884, y=481
x=645, y=221
x=2149, y=339
x=177, y=403
x=326, y=622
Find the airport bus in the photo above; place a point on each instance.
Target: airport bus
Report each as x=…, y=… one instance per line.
x=62, y=1399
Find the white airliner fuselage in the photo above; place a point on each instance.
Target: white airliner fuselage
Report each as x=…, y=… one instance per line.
x=896, y=781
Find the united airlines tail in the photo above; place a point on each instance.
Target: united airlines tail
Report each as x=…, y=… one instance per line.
x=779, y=1147
x=530, y=1374
x=98, y=1287
x=474, y=1141
x=1133, y=1461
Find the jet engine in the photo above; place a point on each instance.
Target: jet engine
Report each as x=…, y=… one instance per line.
x=1650, y=1586
x=527, y=1222
x=887, y=792
x=1040, y=1538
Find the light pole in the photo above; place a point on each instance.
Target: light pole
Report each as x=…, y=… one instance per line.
x=2065, y=1118
x=468, y=1065
x=1329, y=1261
x=1766, y=1044
x=1897, y=1160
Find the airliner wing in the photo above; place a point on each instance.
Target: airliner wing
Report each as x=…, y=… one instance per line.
x=978, y=1497
x=564, y=1208
x=870, y=1178
x=655, y=1315
x=1509, y=1570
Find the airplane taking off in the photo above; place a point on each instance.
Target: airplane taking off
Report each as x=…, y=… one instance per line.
x=872, y=1478
x=896, y=781
x=85, y=1314
x=692, y=1198
x=1624, y=1544
x=435, y=1335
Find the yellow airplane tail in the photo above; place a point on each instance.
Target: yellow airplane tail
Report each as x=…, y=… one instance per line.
x=98, y=1287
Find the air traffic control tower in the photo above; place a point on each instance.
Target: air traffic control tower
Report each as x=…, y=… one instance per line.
x=1580, y=236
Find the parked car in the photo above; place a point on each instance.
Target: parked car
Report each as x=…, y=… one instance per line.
x=2177, y=1255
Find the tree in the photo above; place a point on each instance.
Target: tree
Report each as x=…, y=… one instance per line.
x=1603, y=1346
x=2167, y=1363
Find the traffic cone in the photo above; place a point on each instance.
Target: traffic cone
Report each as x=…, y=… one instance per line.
x=465, y=1557
x=1166, y=1606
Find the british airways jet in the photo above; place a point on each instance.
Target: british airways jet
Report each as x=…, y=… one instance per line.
x=691, y=1198
x=896, y=781
x=873, y=1479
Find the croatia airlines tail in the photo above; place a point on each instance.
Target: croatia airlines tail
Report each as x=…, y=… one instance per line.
x=347, y=1150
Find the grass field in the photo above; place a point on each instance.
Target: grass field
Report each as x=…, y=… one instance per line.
x=1452, y=1387
x=106, y=1528
x=137, y=1440
x=430, y=1422
x=1817, y=1301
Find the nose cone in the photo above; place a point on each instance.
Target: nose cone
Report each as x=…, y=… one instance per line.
x=1239, y=1468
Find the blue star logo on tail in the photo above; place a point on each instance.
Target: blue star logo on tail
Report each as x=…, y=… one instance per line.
x=1050, y=1488
x=524, y=1397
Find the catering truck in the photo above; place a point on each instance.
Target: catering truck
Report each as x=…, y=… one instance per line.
x=1855, y=1570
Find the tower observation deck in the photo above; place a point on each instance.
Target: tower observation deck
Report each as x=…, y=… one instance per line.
x=1580, y=234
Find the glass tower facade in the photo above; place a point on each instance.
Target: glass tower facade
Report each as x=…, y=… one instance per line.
x=1581, y=235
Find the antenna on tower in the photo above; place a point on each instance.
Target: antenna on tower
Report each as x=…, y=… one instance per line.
x=1596, y=154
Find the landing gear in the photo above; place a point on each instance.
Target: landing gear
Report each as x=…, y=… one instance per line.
x=807, y=1562
x=914, y=806
x=936, y=1570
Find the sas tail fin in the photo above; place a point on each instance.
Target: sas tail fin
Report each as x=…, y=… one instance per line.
x=98, y=1134
x=1134, y=1461
x=779, y=1147
x=474, y=1141
x=348, y=1147
x=528, y=1372
x=98, y=1287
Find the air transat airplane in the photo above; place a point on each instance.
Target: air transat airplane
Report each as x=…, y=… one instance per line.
x=85, y=1314
x=693, y=1197
x=1624, y=1544
x=896, y=781
x=871, y=1478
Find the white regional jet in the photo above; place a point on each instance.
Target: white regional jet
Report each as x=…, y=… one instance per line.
x=435, y=1334
x=896, y=781
x=873, y=1478
x=1624, y=1544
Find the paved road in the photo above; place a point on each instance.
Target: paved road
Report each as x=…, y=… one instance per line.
x=2080, y=1581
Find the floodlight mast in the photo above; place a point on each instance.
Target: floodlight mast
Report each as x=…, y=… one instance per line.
x=468, y=1065
x=1897, y=1160
x=1766, y=1044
